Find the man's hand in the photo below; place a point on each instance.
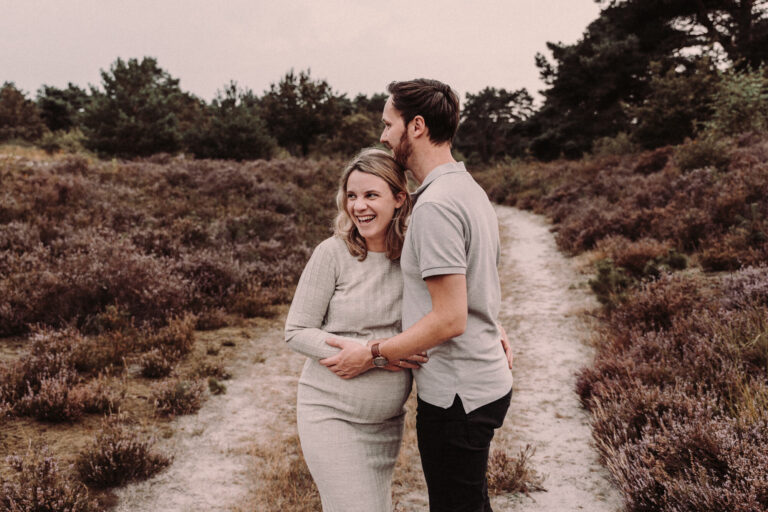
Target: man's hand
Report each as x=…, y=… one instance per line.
x=353, y=359
x=412, y=362
x=506, y=347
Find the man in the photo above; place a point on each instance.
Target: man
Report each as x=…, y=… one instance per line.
x=451, y=301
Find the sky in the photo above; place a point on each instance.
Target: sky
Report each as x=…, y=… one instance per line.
x=357, y=46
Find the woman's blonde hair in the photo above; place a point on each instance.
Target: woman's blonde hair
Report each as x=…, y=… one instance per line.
x=381, y=164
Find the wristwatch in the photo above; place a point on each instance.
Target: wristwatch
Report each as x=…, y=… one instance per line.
x=379, y=361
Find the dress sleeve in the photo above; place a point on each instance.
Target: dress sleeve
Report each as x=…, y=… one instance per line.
x=310, y=304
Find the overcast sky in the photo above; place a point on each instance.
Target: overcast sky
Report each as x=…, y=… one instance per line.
x=358, y=46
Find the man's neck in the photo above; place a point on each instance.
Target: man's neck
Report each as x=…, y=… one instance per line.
x=424, y=162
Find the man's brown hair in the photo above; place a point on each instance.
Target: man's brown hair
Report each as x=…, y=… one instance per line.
x=433, y=100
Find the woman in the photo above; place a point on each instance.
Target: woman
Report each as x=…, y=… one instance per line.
x=351, y=288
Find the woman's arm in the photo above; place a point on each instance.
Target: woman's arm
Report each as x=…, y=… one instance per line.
x=310, y=304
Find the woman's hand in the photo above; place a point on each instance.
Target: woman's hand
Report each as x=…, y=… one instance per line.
x=505, y=346
x=353, y=359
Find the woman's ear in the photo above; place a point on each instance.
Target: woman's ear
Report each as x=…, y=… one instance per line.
x=400, y=199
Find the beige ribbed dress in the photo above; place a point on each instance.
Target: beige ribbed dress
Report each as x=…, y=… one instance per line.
x=350, y=430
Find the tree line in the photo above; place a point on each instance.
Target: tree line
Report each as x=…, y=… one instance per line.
x=141, y=110
x=646, y=73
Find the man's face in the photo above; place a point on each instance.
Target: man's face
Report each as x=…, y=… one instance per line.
x=395, y=134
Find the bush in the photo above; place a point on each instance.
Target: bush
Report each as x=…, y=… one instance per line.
x=740, y=103
x=178, y=337
x=39, y=486
x=705, y=151
x=119, y=455
x=66, y=141
x=178, y=397
x=156, y=364
x=619, y=144
x=610, y=283
x=513, y=474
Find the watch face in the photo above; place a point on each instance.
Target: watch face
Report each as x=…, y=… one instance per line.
x=380, y=361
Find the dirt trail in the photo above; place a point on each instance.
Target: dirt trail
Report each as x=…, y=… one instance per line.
x=542, y=296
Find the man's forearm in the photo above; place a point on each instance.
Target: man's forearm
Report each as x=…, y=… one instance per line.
x=446, y=320
x=428, y=332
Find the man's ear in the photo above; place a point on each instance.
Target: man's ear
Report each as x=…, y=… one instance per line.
x=418, y=126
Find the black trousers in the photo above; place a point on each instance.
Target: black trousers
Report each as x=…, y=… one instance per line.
x=454, y=453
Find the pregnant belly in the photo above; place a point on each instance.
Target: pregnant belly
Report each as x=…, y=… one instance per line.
x=375, y=396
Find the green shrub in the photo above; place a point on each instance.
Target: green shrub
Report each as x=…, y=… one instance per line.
x=67, y=141
x=740, y=103
x=708, y=150
x=610, y=283
x=619, y=144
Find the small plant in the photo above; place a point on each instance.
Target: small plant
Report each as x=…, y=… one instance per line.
x=119, y=455
x=216, y=387
x=178, y=335
x=211, y=319
x=39, y=486
x=610, y=283
x=156, y=364
x=55, y=400
x=513, y=474
x=178, y=397
x=212, y=369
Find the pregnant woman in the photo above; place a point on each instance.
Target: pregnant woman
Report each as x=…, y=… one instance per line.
x=351, y=288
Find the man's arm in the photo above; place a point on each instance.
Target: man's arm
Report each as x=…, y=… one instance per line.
x=446, y=320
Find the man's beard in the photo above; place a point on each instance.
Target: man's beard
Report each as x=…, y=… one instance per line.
x=402, y=152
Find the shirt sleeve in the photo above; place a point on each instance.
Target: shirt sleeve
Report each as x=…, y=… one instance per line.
x=316, y=286
x=439, y=241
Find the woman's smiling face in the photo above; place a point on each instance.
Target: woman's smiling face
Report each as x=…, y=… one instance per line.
x=371, y=206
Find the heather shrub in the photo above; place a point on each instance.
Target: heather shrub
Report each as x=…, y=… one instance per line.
x=701, y=463
x=641, y=258
x=212, y=369
x=655, y=305
x=746, y=287
x=155, y=238
x=155, y=364
x=39, y=486
x=653, y=161
x=55, y=399
x=118, y=455
x=513, y=474
x=177, y=337
x=211, y=319
x=178, y=397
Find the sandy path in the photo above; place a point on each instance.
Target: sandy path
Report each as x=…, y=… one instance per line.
x=212, y=468
x=542, y=296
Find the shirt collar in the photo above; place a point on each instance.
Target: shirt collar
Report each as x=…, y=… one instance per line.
x=437, y=172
